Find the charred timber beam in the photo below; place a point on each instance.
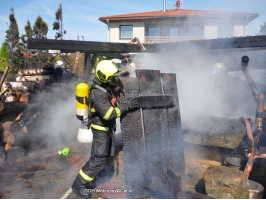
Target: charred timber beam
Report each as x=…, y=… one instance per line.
x=154, y=123
x=109, y=47
x=82, y=46
x=221, y=43
x=133, y=144
x=10, y=107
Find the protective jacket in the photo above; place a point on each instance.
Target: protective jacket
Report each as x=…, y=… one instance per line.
x=103, y=112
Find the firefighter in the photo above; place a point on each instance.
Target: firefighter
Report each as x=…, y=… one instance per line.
x=104, y=109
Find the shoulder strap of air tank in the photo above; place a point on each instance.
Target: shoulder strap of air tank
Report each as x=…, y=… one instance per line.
x=98, y=87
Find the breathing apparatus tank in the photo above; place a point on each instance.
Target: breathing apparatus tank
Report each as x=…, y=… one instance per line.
x=82, y=94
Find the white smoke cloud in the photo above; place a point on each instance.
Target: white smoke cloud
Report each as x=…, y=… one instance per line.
x=199, y=88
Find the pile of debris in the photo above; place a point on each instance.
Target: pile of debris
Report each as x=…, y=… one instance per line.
x=20, y=107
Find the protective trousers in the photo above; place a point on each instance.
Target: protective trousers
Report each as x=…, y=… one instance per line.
x=99, y=156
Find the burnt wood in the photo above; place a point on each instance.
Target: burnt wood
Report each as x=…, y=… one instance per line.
x=133, y=144
x=173, y=160
x=109, y=47
x=16, y=138
x=152, y=136
x=10, y=126
x=1, y=106
x=155, y=101
x=220, y=43
x=82, y=46
x=13, y=107
x=155, y=123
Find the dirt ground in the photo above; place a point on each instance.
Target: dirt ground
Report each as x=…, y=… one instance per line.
x=47, y=175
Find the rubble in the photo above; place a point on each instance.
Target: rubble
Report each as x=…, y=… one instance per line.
x=226, y=183
x=215, y=131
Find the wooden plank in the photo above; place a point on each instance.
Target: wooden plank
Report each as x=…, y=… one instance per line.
x=173, y=161
x=155, y=123
x=82, y=46
x=221, y=43
x=133, y=144
x=109, y=47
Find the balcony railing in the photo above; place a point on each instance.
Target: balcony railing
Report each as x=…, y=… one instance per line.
x=163, y=39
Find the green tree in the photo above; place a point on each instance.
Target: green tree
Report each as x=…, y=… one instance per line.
x=25, y=37
x=28, y=32
x=40, y=28
x=58, y=24
x=4, y=56
x=262, y=30
x=13, y=41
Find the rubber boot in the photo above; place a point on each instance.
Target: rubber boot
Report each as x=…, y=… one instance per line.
x=82, y=187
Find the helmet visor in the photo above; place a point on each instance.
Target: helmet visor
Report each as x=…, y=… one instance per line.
x=114, y=80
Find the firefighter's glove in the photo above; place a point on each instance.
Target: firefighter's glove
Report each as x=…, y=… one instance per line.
x=133, y=104
x=129, y=105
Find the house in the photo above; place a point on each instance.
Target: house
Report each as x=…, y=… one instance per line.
x=177, y=24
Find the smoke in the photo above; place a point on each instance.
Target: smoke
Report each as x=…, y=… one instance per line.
x=57, y=123
x=53, y=126
x=202, y=88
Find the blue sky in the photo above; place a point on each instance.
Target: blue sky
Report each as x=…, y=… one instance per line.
x=81, y=16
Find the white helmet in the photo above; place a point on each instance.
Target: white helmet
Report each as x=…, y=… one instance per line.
x=59, y=63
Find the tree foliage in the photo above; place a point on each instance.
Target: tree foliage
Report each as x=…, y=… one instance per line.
x=12, y=39
x=262, y=30
x=58, y=24
x=4, y=56
x=40, y=28
x=28, y=32
x=13, y=32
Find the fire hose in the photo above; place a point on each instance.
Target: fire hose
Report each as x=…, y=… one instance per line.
x=254, y=152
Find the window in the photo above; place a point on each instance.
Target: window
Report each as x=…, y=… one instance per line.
x=126, y=31
x=154, y=31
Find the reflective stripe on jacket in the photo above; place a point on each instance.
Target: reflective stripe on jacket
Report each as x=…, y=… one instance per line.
x=102, y=112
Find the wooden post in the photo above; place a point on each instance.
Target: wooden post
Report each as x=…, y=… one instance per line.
x=133, y=144
x=155, y=123
x=152, y=137
x=3, y=77
x=174, y=161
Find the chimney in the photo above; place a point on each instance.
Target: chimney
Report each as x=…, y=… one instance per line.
x=164, y=5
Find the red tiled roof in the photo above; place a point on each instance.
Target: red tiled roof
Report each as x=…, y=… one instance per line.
x=173, y=13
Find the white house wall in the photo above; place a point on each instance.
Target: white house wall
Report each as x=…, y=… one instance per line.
x=210, y=32
x=138, y=31
x=212, y=28
x=239, y=31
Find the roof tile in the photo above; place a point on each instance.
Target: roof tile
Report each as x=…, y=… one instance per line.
x=175, y=12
